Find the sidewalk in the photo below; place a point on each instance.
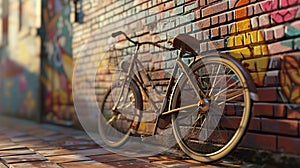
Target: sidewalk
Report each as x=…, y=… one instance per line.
x=26, y=144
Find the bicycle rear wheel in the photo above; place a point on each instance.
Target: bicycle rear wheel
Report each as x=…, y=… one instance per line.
x=209, y=135
x=115, y=126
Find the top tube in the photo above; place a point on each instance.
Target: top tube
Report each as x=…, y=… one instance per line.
x=118, y=33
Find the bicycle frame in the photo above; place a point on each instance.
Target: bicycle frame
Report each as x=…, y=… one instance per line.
x=179, y=64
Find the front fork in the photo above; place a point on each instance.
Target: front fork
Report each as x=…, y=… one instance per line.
x=127, y=76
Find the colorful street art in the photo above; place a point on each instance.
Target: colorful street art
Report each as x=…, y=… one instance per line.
x=57, y=63
x=20, y=63
x=259, y=57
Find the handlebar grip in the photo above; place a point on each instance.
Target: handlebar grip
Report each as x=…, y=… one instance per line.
x=115, y=34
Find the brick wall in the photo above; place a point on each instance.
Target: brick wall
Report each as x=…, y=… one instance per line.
x=264, y=35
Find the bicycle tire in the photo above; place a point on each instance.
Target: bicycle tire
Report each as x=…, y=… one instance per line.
x=190, y=138
x=119, y=135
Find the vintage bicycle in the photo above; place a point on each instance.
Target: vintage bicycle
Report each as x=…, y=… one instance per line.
x=208, y=105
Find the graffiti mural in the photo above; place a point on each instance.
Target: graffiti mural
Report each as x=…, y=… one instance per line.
x=19, y=58
x=57, y=61
x=268, y=61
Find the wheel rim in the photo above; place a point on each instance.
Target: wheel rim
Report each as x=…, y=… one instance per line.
x=226, y=134
x=115, y=126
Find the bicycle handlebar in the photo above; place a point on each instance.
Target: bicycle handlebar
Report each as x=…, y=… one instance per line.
x=115, y=34
x=118, y=33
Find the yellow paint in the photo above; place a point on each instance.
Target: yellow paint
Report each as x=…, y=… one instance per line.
x=8, y=85
x=257, y=64
x=295, y=95
x=247, y=38
x=25, y=55
x=253, y=35
x=63, y=96
x=260, y=37
x=257, y=51
x=68, y=65
x=254, y=40
x=53, y=77
x=241, y=53
x=30, y=101
x=258, y=78
x=230, y=42
x=233, y=28
x=55, y=107
x=243, y=25
x=239, y=40
x=47, y=83
x=264, y=50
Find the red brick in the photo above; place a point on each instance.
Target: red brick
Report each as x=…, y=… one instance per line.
x=280, y=126
x=214, y=20
x=259, y=141
x=267, y=94
x=289, y=145
x=222, y=135
x=204, y=23
x=262, y=110
x=169, y=5
x=242, y=3
x=229, y=16
x=216, y=44
x=250, y=10
x=280, y=110
x=215, y=32
x=254, y=23
x=277, y=47
x=188, y=28
x=264, y=20
x=279, y=31
x=187, y=1
x=269, y=34
x=206, y=35
x=231, y=122
x=229, y=110
x=254, y=124
x=198, y=14
x=202, y=3
x=214, y=9
x=271, y=80
x=293, y=113
x=224, y=30
x=203, y=47
x=210, y=1
x=257, y=9
x=222, y=18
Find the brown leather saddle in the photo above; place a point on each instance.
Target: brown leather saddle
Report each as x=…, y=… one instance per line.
x=186, y=43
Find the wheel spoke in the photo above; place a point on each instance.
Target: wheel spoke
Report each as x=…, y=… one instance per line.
x=214, y=82
x=115, y=127
x=110, y=121
x=223, y=90
x=215, y=135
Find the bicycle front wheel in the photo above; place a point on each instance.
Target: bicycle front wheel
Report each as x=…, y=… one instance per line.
x=115, y=126
x=209, y=134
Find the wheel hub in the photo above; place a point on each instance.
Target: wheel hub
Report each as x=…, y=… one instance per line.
x=204, y=105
